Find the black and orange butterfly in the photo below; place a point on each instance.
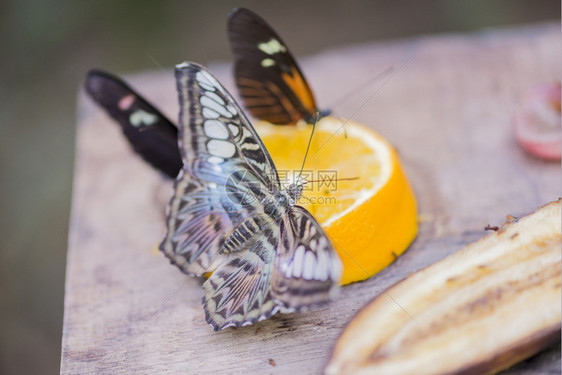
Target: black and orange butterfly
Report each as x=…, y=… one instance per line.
x=270, y=81
x=268, y=78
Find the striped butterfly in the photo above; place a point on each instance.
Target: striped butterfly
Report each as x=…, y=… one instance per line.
x=267, y=76
x=230, y=216
x=149, y=132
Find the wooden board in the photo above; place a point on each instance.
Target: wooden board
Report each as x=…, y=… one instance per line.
x=448, y=112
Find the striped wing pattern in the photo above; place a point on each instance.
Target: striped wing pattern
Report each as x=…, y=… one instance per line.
x=267, y=76
x=199, y=217
x=237, y=293
x=216, y=139
x=307, y=269
x=253, y=247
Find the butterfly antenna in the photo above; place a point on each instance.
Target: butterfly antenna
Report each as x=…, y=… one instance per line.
x=394, y=73
x=362, y=86
x=308, y=146
x=344, y=128
x=355, y=91
x=336, y=179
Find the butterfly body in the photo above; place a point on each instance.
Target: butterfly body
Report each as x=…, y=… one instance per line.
x=231, y=216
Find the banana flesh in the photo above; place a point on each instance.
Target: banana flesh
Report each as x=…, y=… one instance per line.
x=485, y=307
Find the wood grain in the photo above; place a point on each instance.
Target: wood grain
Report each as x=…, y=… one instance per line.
x=447, y=111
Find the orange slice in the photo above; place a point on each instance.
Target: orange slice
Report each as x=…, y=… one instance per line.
x=359, y=192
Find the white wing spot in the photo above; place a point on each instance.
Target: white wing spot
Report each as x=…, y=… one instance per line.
x=234, y=129
x=272, y=47
x=222, y=149
x=140, y=118
x=285, y=269
x=204, y=78
x=321, y=267
x=210, y=103
x=215, y=129
x=215, y=97
x=312, y=243
x=312, y=230
x=215, y=160
x=231, y=109
x=337, y=269
x=266, y=63
x=309, y=264
x=206, y=86
x=251, y=146
x=298, y=260
x=209, y=113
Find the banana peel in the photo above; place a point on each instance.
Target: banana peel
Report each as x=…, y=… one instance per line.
x=482, y=309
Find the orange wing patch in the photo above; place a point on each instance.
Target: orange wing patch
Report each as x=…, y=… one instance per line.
x=301, y=89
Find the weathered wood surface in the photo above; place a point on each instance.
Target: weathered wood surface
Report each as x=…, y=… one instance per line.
x=448, y=112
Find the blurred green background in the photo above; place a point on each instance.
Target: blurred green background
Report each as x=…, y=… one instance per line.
x=46, y=49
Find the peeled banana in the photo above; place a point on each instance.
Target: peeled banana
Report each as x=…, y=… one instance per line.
x=487, y=306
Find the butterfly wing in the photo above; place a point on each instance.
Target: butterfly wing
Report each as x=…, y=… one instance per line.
x=227, y=171
x=217, y=140
x=150, y=133
x=199, y=218
x=237, y=293
x=219, y=147
x=268, y=77
x=307, y=269
x=224, y=161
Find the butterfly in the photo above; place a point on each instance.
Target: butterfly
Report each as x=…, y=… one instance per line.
x=268, y=78
x=150, y=133
x=229, y=215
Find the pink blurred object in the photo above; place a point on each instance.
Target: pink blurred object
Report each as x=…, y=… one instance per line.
x=537, y=124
